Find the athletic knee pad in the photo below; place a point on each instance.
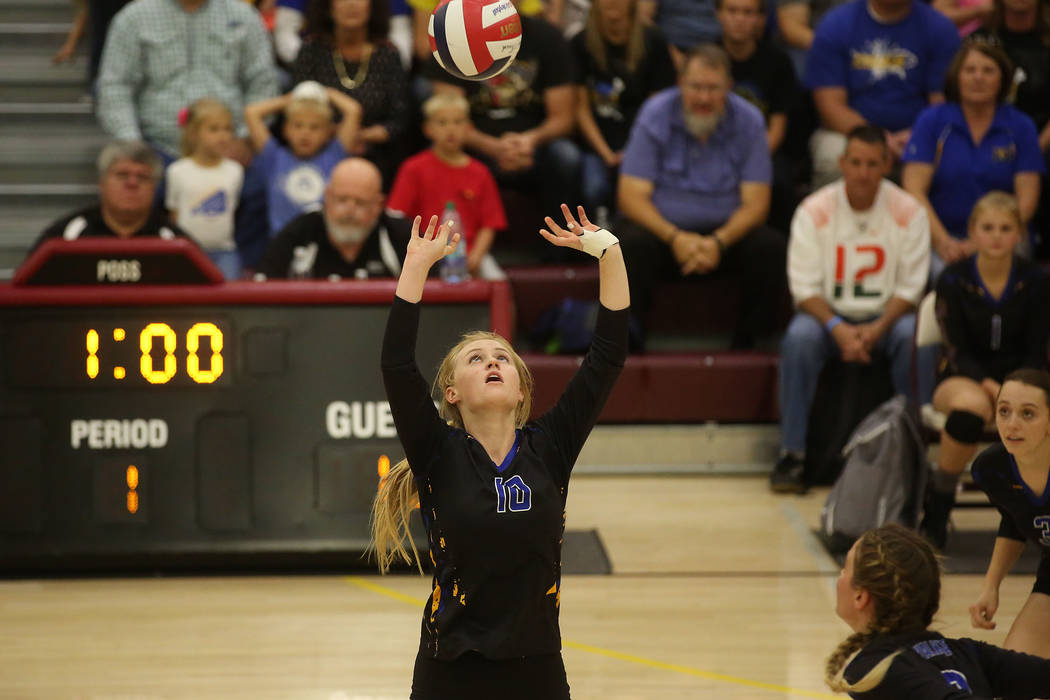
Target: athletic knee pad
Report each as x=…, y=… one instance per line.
x=964, y=426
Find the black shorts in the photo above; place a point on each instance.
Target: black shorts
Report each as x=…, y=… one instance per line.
x=473, y=677
x=1042, y=575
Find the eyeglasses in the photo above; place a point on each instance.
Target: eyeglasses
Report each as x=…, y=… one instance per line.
x=130, y=175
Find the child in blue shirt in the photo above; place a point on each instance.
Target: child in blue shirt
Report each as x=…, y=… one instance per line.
x=296, y=174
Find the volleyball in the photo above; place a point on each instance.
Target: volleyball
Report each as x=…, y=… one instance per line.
x=475, y=39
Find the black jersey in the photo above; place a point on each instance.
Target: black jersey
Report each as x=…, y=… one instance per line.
x=495, y=531
x=988, y=337
x=1025, y=515
x=932, y=667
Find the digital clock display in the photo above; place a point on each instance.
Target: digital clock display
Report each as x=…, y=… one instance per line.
x=129, y=351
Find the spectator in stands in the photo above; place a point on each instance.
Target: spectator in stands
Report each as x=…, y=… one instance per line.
x=762, y=75
x=858, y=259
x=694, y=188
x=444, y=173
x=972, y=144
x=1022, y=28
x=128, y=172
x=968, y=15
x=875, y=62
x=796, y=20
x=347, y=49
x=994, y=317
x=296, y=174
x=289, y=19
x=93, y=17
x=523, y=118
x=349, y=239
x=621, y=62
x=161, y=55
x=203, y=187
x=685, y=23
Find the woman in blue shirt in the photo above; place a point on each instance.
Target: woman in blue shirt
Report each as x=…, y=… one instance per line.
x=970, y=145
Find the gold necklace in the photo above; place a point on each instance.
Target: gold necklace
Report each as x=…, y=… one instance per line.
x=362, y=69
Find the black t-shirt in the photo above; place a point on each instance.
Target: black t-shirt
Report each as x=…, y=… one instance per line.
x=1025, y=515
x=767, y=80
x=88, y=223
x=932, y=667
x=616, y=93
x=1031, y=59
x=986, y=337
x=513, y=100
x=495, y=531
x=302, y=250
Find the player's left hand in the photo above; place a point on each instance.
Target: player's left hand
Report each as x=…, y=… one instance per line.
x=567, y=237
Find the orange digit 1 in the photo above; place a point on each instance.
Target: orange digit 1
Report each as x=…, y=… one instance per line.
x=92, y=351
x=132, y=478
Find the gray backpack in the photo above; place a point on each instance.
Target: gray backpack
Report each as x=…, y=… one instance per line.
x=883, y=479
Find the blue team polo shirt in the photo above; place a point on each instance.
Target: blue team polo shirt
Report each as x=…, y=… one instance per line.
x=964, y=171
x=696, y=186
x=888, y=70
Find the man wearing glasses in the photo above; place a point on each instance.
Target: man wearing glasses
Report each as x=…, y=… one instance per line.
x=128, y=173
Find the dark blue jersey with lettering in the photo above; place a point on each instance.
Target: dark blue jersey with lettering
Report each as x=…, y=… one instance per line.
x=931, y=667
x=495, y=531
x=1025, y=514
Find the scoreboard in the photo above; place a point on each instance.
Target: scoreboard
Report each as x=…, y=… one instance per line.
x=206, y=425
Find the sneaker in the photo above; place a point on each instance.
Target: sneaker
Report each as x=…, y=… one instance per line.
x=787, y=475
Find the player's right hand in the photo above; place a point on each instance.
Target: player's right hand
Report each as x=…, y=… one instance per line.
x=982, y=612
x=432, y=244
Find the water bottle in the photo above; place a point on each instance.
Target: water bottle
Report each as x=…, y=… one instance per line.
x=454, y=265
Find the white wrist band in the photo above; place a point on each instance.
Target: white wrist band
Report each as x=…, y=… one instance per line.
x=596, y=242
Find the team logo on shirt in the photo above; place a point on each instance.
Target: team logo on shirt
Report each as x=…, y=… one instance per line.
x=1004, y=154
x=864, y=261
x=213, y=205
x=304, y=185
x=882, y=59
x=513, y=495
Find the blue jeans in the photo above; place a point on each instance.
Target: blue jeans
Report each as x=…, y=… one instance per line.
x=806, y=346
x=229, y=261
x=596, y=182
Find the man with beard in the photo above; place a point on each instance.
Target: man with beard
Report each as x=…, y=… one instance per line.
x=349, y=238
x=694, y=188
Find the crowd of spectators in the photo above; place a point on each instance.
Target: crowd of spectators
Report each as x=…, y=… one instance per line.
x=716, y=137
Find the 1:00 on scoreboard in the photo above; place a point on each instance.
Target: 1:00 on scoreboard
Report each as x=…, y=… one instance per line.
x=130, y=352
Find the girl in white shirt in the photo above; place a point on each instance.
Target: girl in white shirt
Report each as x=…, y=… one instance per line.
x=204, y=186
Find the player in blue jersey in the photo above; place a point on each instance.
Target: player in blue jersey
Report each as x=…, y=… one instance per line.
x=491, y=487
x=1016, y=476
x=888, y=593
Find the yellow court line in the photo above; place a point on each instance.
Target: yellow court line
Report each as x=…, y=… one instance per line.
x=620, y=656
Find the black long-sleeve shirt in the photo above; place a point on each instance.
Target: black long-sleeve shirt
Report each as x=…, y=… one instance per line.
x=932, y=667
x=495, y=531
x=988, y=337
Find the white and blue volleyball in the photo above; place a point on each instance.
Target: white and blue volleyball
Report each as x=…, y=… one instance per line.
x=475, y=39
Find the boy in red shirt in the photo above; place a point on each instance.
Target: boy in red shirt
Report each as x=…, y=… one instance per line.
x=445, y=173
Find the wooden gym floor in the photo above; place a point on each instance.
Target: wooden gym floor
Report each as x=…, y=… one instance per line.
x=718, y=591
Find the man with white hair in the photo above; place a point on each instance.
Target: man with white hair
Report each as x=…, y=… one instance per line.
x=694, y=188
x=350, y=238
x=128, y=172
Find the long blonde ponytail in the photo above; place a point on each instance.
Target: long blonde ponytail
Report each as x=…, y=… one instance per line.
x=397, y=497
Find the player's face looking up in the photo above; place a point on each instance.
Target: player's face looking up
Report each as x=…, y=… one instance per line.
x=485, y=377
x=1022, y=417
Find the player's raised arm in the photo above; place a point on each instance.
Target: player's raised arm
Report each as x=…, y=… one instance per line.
x=582, y=235
x=424, y=249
